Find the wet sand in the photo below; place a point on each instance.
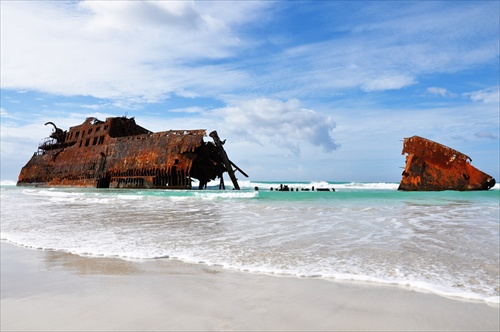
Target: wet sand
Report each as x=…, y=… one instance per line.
x=46, y=290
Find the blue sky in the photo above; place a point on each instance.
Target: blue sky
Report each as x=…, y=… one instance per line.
x=301, y=90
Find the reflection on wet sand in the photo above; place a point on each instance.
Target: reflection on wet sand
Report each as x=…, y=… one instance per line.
x=89, y=265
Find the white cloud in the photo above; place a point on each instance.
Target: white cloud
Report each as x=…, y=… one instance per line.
x=389, y=49
x=437, y=91
x=128, y=15
x=443, y=92
x=188, y=110
x=285, y=124
x=486, y=96
x=147, y=51
x=388, y=83
x=141, y=51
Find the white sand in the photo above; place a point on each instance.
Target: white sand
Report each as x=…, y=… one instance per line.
x=44, y=290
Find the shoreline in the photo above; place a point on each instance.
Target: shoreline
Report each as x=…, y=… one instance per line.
x=50, y=290
x=344, y=279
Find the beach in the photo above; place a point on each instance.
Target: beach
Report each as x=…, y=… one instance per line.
x=51, y=290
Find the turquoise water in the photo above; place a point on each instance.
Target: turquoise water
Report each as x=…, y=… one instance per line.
x=442, y=242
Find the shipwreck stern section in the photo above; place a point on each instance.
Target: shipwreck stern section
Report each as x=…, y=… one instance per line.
x=431, y=166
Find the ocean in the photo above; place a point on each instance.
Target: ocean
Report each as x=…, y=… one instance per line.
x=445, y=243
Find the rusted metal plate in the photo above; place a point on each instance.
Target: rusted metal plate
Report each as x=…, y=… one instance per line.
x=433, y=166
x=117, y=153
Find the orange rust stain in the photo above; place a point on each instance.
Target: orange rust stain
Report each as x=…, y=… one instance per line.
x=118, y=153
x=433, y=166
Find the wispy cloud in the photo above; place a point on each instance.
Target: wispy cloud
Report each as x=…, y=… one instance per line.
x=388, y=83
x=486, y=96
x=443, y=92
x=148, y=51
x=487, y=135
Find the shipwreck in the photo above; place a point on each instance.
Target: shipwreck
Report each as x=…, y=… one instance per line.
x=431, y=166
x=118, y=153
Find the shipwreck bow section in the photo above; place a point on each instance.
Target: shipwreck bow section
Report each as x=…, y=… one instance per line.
x=431, y=166
x=118, y=153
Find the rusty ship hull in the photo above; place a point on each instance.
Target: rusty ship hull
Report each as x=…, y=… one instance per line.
x=118, y=153
x=431, y=166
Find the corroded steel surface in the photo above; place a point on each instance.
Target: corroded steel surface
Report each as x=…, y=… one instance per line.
x=433, y=166
x=117, y=153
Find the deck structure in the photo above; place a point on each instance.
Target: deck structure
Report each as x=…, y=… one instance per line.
x=118, y=153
